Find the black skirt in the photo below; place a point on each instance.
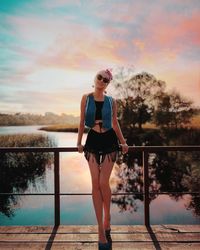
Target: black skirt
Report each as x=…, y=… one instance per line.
x=101, y=145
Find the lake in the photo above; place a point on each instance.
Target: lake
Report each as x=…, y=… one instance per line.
x=75, y=178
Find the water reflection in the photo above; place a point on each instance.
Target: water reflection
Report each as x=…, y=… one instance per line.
x=20, y=171
x=165, y=210
x=173, y=172
x=168, y=171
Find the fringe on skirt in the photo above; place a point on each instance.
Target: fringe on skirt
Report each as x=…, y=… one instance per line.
x=101, y=145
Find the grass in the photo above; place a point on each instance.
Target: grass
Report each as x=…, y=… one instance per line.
x=195, y=123
x=26, y=140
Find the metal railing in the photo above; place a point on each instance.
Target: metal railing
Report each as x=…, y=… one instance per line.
x=144, y=149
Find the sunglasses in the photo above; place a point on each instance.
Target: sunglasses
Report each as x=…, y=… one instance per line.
x=100, y=77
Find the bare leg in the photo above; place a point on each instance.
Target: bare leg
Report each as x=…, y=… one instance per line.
x=97, y=196
x=106, y=169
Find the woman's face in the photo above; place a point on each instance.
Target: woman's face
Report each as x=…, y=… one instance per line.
x=101, y=80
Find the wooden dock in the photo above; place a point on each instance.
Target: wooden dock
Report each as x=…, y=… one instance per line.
x=85, y=237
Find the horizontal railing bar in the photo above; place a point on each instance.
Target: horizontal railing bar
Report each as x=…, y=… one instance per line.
x=165, y=148
x=196, y=194
x=173, y=192
x=37, y=149
x=26, y=194
x=126, y=193
x=74, y=149
x=64, y=193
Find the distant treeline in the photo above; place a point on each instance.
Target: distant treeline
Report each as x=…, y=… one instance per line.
x=19, y=119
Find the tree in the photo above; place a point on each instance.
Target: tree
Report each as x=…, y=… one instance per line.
x=173, y=110
x=162, y=114
x=139, y=94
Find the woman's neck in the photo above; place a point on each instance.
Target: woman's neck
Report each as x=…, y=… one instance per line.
x=98, y=94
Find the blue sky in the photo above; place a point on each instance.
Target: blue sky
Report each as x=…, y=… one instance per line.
x=51, y=50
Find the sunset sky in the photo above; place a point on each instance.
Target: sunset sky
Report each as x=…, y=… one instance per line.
x=50, y=50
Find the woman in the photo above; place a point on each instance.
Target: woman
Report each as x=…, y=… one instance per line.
x=99, y=113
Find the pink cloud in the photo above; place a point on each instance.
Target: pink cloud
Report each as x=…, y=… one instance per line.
x=183, y=81
x=190, y=28
x=116, y=31
x=75, y=51
x=139, y=44
x=172, y=30
x=155, y=44
x=66, y=44
x=119, y=12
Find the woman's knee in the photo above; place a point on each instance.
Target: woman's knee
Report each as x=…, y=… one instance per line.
x=95, y=184
x=104, y=184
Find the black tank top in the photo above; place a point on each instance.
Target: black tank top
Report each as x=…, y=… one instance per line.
x=99, y=105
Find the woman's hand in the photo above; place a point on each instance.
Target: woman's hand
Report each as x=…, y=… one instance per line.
x=124, y=148
x=80, y=148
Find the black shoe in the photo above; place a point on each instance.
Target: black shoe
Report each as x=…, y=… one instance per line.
x=104, y=246
x=108, y=236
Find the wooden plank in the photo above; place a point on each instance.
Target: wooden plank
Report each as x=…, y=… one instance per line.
x=85, y=237
x=173, y=228
x=87, y=246
x=93, y=228
x=176, y=246
x=79, y=246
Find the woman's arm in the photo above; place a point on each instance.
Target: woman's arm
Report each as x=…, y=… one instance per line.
x=82, y=123
x=117, y=128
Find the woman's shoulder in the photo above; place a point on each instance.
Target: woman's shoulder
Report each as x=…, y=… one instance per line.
x=85, y=96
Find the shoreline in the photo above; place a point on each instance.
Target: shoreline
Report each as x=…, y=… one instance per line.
x=61, y=128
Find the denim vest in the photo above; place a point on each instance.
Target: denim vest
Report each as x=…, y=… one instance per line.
x=90, y=111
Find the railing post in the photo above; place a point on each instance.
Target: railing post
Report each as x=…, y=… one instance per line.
x=56, y=189
x=146, y=188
